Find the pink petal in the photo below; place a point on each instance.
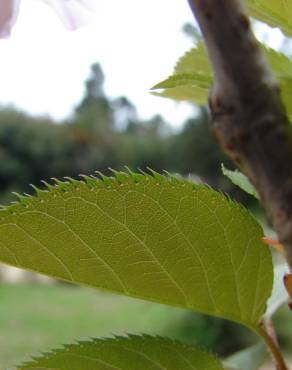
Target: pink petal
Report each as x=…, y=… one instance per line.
x=73, y=13
x=8, y=15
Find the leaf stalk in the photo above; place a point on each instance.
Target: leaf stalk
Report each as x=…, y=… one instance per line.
x=273, y=347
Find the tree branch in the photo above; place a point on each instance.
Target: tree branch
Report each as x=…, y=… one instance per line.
x=248, y=116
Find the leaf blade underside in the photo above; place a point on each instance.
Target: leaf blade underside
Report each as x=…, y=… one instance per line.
x=150, y=237
x=240, y=180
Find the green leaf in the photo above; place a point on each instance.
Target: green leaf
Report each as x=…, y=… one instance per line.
x=282, y=68
x=190, y=93
x=250, y=358
x=239, y=179
x=196, y=67
x=286, y=91
x=279, y=294
x=193, y=77
x=152, y=237
x=194, y=61
x=276, y=13
x=126, y=353
x=279, y=62
x=185, y=86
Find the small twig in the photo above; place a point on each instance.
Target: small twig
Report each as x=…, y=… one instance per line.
x=273, y=346
x=270, y=329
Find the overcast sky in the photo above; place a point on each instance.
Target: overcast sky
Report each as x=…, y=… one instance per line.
x=43, y=65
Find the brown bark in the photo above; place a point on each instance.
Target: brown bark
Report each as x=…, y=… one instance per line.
x=247, y=114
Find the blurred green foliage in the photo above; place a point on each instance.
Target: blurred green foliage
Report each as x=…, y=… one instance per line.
x=64, y=313
x=102, y=133
x=217, y=335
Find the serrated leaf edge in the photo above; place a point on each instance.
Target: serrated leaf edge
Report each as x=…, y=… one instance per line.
x=114, y=339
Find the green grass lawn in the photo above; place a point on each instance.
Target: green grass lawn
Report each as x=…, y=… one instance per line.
x=37, y=318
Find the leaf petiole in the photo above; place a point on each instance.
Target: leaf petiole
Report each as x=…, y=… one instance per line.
x=273, y=347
